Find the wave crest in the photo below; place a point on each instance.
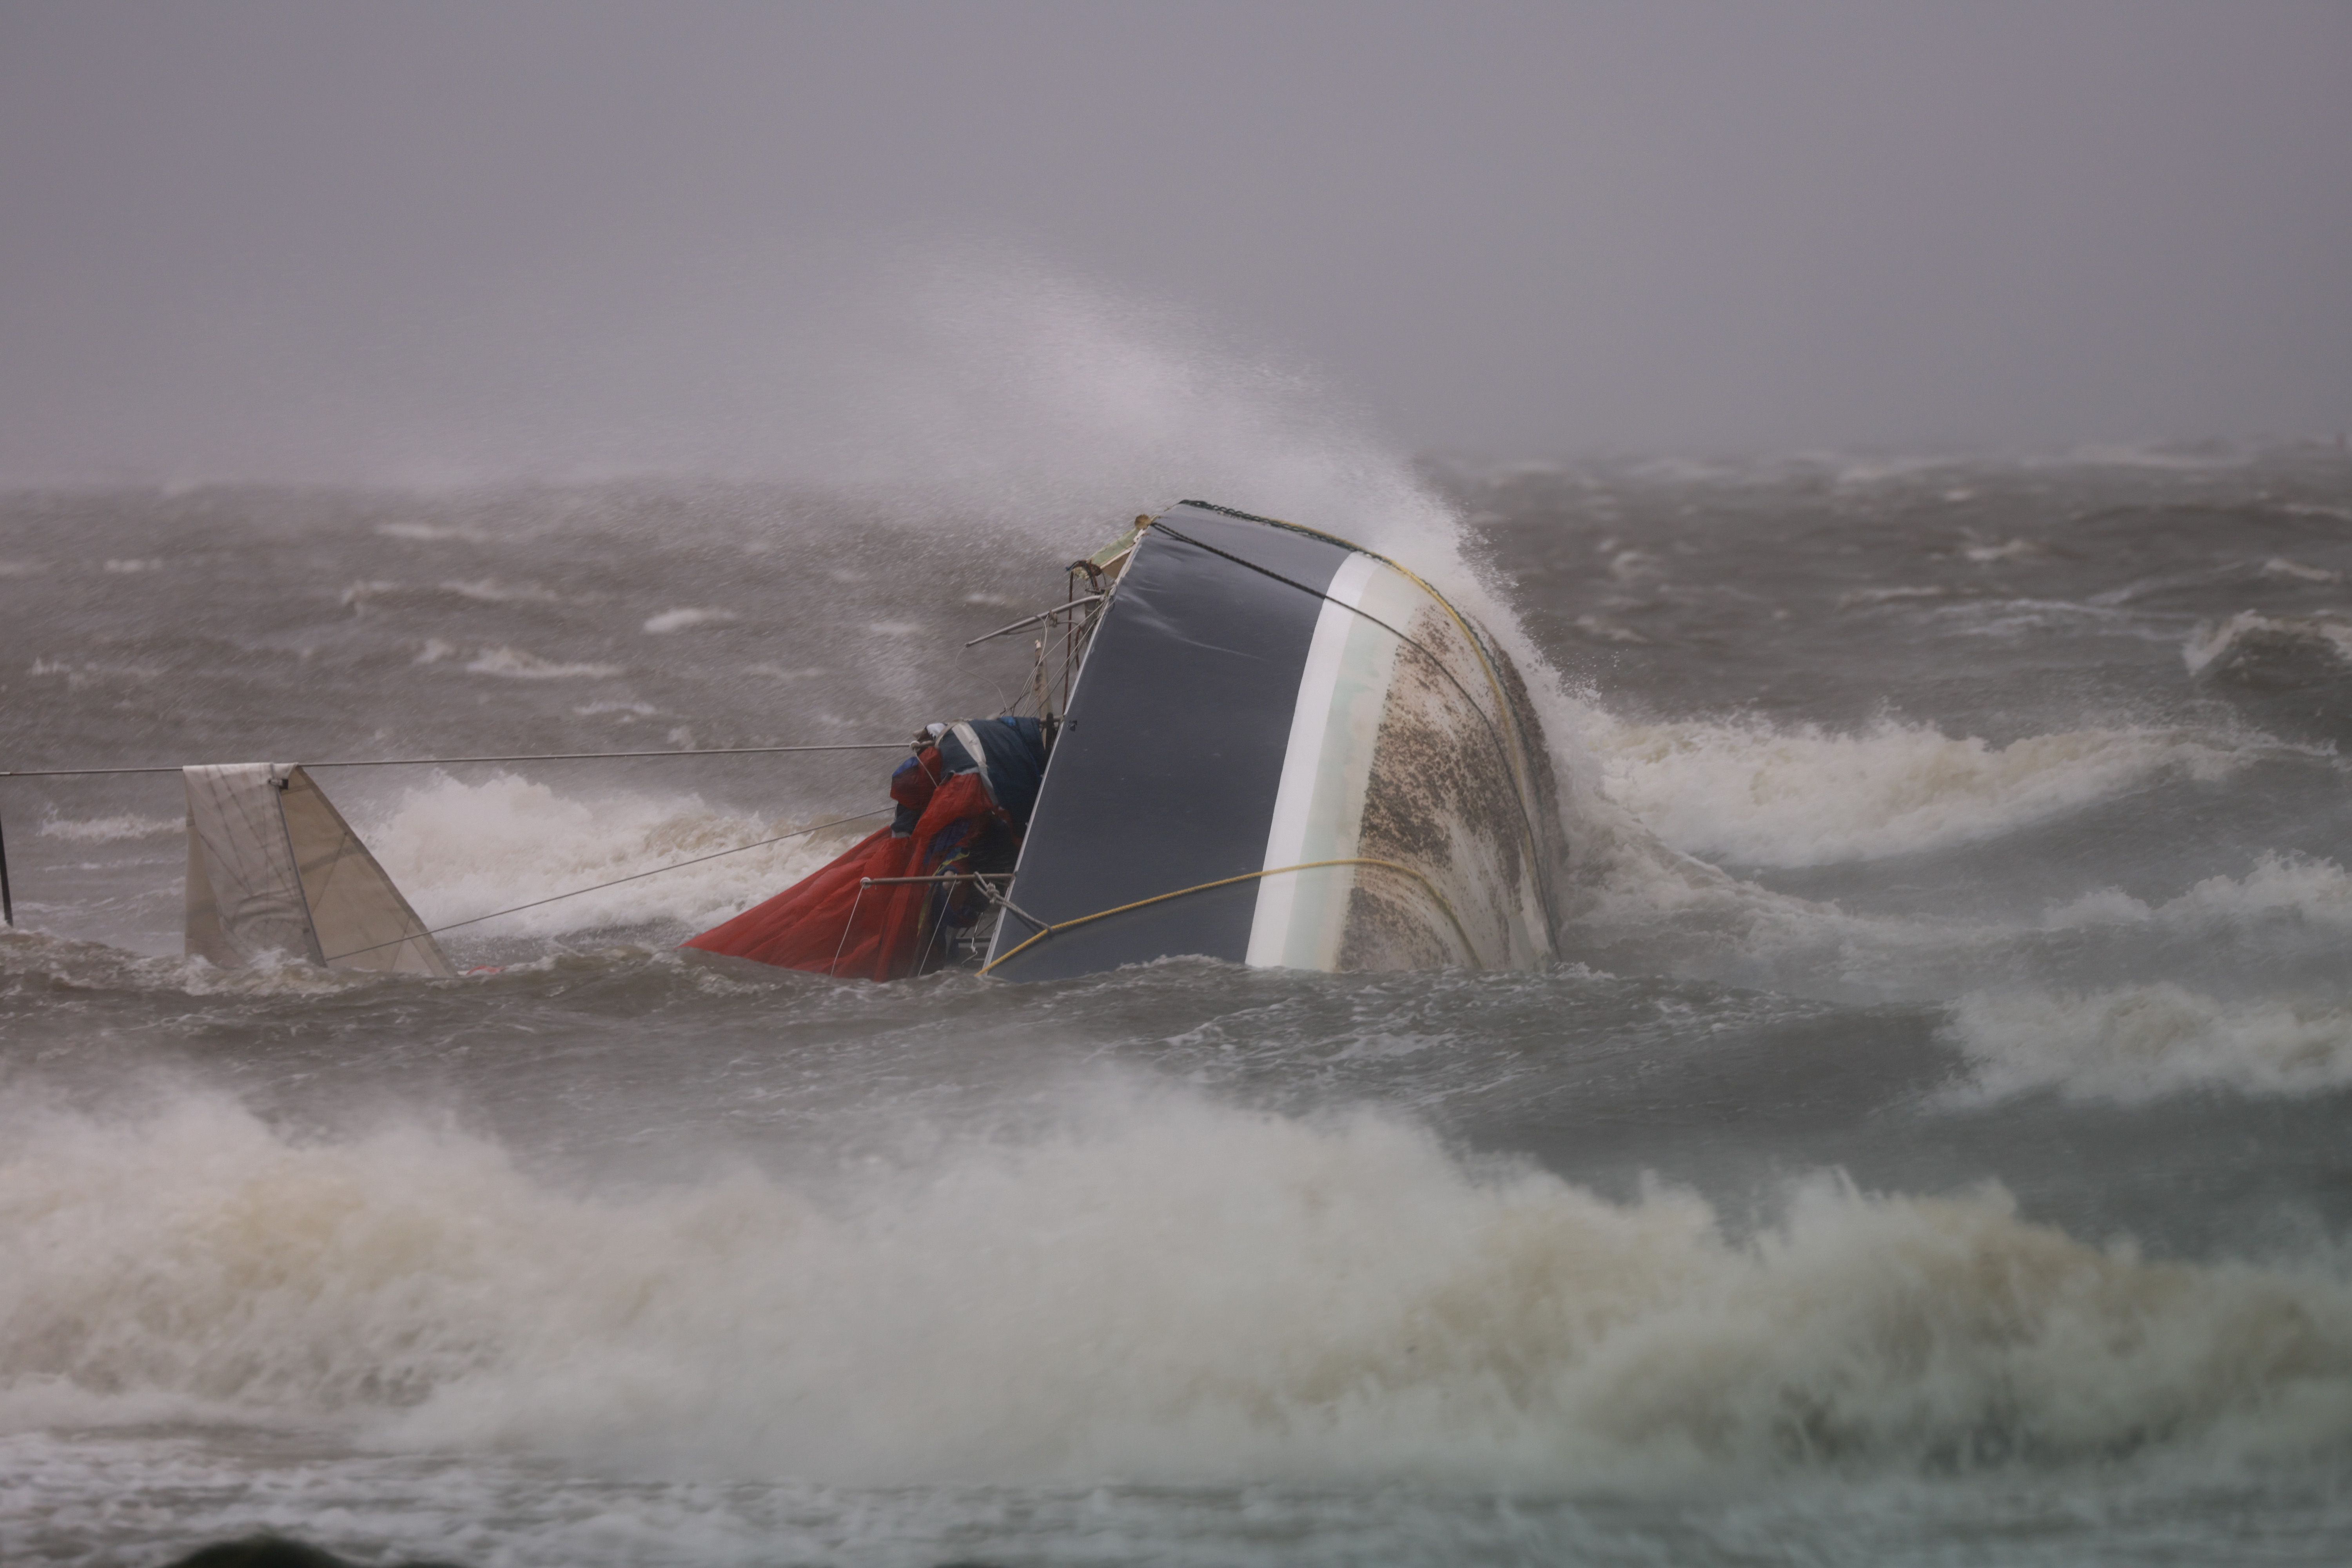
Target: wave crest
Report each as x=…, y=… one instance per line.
x=1808, y=796
x=2136, y=1043
x=1163, y=1290
x=459, y=850
x=2255, y=649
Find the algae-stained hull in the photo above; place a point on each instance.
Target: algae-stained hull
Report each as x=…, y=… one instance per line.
x=1284, y=751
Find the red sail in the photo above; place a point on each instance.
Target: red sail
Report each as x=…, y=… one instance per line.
x=830, y=924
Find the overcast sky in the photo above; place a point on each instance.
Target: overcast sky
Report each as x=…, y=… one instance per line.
x=326, y=239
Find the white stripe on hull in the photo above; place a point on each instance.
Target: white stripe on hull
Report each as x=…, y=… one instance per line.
x=1366, y=725
x=1299, y=915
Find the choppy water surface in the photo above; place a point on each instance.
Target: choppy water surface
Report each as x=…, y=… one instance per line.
x=1936, y=1152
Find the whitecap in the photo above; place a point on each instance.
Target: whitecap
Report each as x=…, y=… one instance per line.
x=2280, y=886
x=461, y=849
x=2248, y=634
x=490, y=591
x=357, y=596
x=1807, y=796
x=1636, y=566
x=2136, y=1043
x=1887, y=595
x=516, y=664
x=1155, y=1287
x=2280, y=566
x=679, y=620
x=1600, y=630
x=110, y=829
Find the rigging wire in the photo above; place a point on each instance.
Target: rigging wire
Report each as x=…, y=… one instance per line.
x=633, y=876
x=535, y=757
x=1045, y=928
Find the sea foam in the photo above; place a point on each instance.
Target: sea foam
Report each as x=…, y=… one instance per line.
x=683, y=619
x=519, y=664
x=461, y=850
x=110, y=829
x=1768, y=796
x=2137, y=1043
x=2279, y=888
x=1157, y=1288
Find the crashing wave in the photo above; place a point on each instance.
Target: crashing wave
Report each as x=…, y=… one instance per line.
x=1170, y=1290
x=2136, y=1043
x=2292, y=674
x=1765, y=796
x=2279, y=652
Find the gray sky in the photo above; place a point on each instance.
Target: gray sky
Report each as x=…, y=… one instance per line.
x=320, y=240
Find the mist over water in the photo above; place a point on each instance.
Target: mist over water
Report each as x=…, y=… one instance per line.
x=1930, y=1149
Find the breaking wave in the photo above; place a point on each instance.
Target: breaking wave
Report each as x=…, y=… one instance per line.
x=110, y=829
x=2137, y=1043
x=682, y=619
x=2280, y=886
x=1763, y=796
x=490, y=591
x=2254, y=648
x=460, y=850
x=1162, y=1289
x=517, y=664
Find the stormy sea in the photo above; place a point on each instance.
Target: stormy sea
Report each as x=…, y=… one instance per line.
x=1934, y=1146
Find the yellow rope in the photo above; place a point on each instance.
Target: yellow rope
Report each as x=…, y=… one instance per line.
x=1453, y=920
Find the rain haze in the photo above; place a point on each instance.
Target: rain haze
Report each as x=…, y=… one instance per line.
x=1694, y=912
x=305, y=241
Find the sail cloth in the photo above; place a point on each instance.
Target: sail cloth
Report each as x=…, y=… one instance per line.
x=273, y=867
x=831, y=923
x=962, y=804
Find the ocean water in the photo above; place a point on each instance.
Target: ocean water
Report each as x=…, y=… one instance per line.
x=1936, y=1146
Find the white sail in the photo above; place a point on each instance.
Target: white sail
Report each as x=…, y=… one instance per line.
x=273, y=867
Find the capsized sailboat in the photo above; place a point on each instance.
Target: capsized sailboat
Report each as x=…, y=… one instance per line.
x=1270, y=747
x=1249, y=740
